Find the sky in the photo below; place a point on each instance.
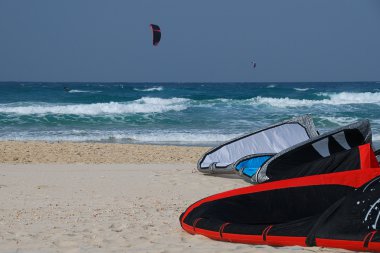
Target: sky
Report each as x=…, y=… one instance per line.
x=202, y=40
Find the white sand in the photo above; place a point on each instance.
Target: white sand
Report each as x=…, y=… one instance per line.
x=108, y=208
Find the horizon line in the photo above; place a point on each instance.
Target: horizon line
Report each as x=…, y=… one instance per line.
x=195, y=82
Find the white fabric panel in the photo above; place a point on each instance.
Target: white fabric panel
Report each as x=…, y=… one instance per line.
x=322, y=147
x=271, y=140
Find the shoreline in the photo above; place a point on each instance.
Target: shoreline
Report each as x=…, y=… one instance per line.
x=42, y=152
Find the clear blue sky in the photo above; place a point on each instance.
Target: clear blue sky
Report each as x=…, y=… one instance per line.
x=202, y=41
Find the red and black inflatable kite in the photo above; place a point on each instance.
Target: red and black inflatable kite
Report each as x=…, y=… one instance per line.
x=156, y=34
x=339, y=207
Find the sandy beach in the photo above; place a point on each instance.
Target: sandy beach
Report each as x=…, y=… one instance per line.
x=108, y=207
x=106, y=108
x=95, y=153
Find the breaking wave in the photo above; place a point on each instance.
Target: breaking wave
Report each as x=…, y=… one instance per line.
x=142, y=105
x=341, y=121
x=159, y=137
x=161, y=105
x=342, y=98
x=354, y=97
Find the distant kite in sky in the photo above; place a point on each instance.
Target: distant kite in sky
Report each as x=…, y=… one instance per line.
x=253, y=64
x=156, y=34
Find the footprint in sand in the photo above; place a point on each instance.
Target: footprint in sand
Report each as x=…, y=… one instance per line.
x=65, y=244
x=115, y=228
x=42, y=186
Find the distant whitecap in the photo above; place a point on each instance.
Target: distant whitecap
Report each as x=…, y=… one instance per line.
x=158, y=88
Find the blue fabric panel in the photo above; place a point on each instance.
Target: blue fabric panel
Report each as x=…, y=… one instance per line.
x=251, y=166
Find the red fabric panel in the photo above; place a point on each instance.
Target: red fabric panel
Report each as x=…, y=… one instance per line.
x=345, y=244
x=367, y=157
x=286, y=241
x=364, y=151
x=248, y=239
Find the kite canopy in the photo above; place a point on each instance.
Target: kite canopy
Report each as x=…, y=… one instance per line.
x=338, y=209
x=300, y=159
x=263, y=143
x=156, y=34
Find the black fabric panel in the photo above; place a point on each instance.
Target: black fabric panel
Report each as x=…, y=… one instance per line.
x=376, y=237
x=310, y=240
x=354, y=137
x=299, y=227
x=289, y=160
x=342, y=161
x=245, y=229
x=157, y=37
x=209, y=224
x=270, y=207
x=285, y=164
x=155, y=27
x=355, y=217
x=334, y=146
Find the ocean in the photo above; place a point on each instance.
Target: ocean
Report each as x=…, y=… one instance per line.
x=176, y=113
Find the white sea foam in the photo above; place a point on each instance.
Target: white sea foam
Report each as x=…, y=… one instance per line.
x=282, y=102
x=142, y=105
x=158, y=88
x=181, y=137
x=301, y=89
x=342, y=98
x=376, y=137
x=340, y=120
x=376, y=141
x=272, y=86
x=84, y=91
x=353, y=97
x=196, y=137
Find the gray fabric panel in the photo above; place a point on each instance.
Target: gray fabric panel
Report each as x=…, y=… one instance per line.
x=269, y=140
x=341, y=139
x=322, y=147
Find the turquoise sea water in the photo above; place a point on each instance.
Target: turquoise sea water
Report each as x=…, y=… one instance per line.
x=175, y=113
